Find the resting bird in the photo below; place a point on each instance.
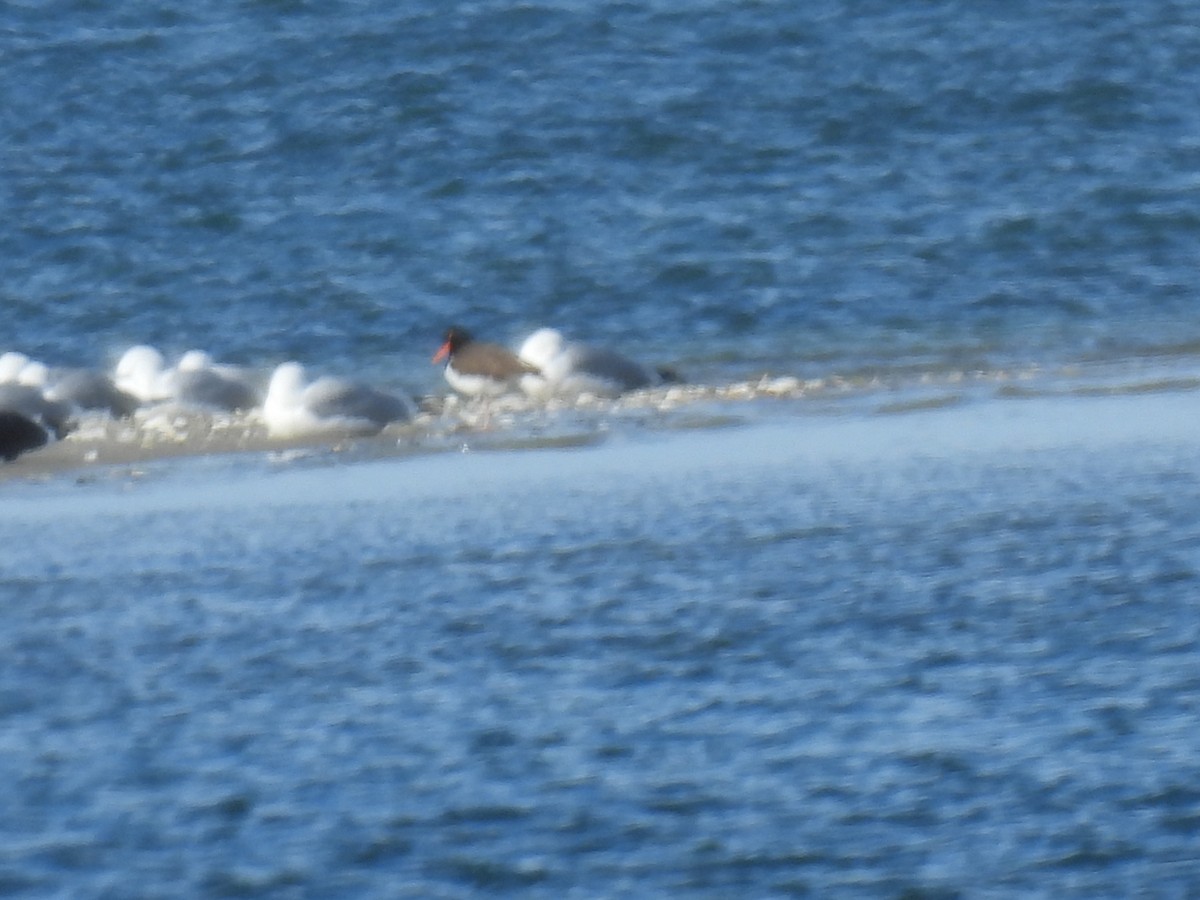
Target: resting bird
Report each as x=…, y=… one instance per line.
x=198, y=381
x=83, y=390
x=19, y=434
x=195, y=381
x=293, y=407
x=28, y=401
x=478, y=369
x=571, y=368
x=11, y=364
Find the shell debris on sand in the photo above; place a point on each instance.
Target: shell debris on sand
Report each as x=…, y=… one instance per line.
x=170, y=429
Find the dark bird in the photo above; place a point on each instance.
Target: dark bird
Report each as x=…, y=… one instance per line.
x=90, y=390
x=19, y=434
x=480, y=369
x=30, y=402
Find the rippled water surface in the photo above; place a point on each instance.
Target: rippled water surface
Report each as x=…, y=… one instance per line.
x=834, y=657
x=895, y=597
x=822, y=187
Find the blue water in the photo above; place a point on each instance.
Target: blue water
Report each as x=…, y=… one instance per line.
x=726, y=186
x=829, y=658
x=920, y=640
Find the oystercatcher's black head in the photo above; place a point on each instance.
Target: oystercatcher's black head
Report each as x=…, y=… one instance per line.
x=456, y=338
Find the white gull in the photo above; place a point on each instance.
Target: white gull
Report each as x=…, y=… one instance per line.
x=294, y=408
x=570, y=368
x=194, y=382
x=84, y=390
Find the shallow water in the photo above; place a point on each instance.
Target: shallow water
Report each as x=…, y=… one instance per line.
x=813, y=189
x=895, y=597
x=949, y=653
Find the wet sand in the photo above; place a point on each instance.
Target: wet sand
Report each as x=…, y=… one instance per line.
x=698, y=440
x=443, y=423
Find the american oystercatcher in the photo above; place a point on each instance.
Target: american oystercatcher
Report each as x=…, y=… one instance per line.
x=479, y=369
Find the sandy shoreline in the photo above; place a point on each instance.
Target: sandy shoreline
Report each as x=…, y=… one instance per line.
x=444, y=423
x=402, y=465
x=447, y=423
